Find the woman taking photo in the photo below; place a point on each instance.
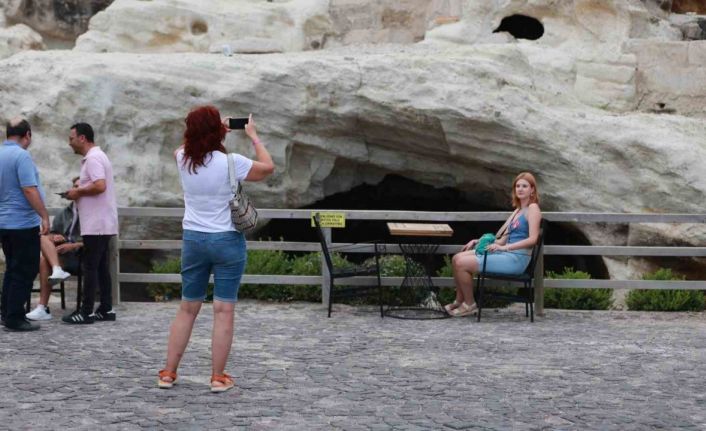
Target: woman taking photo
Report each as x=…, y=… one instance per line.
x=508, y=254
x=211, y=244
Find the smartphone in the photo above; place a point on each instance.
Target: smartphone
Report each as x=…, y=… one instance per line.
x=237, y=123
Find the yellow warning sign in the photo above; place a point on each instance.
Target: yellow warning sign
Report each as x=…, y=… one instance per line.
x=330, y=219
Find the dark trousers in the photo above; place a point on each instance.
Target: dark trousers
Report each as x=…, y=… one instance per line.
x=96, y=272
x=21, y=248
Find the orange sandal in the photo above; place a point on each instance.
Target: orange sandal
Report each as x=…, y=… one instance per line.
x=225, y=380
x=163, y=383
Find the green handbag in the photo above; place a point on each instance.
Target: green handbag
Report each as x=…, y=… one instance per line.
x=484, y=242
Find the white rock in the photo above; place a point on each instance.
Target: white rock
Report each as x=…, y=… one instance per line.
x=188, y=26
x=467, y=108
x=289, y=25
x=62, y=20
x=19, y=38
x=384, y=111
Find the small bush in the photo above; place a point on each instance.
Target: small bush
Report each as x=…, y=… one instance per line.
x=665, y=300
x=446, y=294
x=576, y=299
x=165, y=291
x=392, y=265
x=277, y=262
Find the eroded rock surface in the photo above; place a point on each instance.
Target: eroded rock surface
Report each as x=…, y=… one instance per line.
x=606, y=107
x=60, y=19
x=283, y=26
x=336, y=119
x=19, y=38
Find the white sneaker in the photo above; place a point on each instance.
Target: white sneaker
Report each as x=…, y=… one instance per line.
x=39, y=313
x=58, y=275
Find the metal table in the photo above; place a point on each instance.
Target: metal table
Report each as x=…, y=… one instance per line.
x=417, y=297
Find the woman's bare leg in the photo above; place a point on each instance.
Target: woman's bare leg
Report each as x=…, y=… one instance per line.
x=222, y=337
x=49, y=250
x=180, y=333
x=464, y=265
x=459, y=292
x=44, y=286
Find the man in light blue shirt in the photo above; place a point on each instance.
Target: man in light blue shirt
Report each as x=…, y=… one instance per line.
x=23, y=217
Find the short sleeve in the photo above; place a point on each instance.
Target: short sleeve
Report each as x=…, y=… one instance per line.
x=242, y=166
x=95, y=169
x=26, y=172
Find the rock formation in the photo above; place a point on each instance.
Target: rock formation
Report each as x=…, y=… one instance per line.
x=19, y=38
x=60, y=19
x=606, y=106
x=258, y=27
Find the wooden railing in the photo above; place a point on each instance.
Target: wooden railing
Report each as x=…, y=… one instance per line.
x=422, y=216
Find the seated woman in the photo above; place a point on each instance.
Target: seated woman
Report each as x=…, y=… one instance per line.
x=63, y=240
x=509, y=254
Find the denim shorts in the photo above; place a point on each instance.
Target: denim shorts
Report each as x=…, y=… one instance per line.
x=221, y=253
x=505, y=262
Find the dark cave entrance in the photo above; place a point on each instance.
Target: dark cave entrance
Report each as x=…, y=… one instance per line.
x=521, y=27
x=399, y=193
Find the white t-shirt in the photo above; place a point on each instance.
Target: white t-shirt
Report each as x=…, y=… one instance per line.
x=207, y=193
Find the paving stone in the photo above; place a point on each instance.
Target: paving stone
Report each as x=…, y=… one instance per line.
x=296, y=369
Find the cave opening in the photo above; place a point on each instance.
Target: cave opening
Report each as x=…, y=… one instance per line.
x=521, y=27
x=399, y=193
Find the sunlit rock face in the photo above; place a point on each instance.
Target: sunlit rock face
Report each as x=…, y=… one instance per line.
x=60, y=19
x=19, y=38
x=258, y=27
x=189, y=26
x=605, y=106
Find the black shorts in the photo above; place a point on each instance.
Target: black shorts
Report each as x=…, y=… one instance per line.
x=70, y=262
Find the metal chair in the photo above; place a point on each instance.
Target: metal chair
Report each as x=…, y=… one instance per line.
x=523, y=294
x=353, y=271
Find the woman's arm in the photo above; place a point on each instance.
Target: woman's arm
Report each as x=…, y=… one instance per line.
x=263, y=166
x=469, y=246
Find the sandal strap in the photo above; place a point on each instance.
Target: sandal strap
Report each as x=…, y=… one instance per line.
x=166, y=373
x=222, y=378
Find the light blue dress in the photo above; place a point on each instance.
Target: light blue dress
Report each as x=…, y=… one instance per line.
x=510, y=262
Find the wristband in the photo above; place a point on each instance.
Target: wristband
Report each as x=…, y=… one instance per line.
x=255, y=142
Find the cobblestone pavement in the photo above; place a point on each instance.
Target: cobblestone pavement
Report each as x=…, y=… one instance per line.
x=296, y=369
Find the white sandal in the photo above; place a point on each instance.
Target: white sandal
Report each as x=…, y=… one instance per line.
x=451, y=307
x=464, y=310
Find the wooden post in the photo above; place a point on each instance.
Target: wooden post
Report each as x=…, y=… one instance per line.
x=539, y=285
x=114, y=265
x=325, y=276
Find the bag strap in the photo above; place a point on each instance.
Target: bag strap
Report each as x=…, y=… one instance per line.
x=507, y=224
x=231, y=175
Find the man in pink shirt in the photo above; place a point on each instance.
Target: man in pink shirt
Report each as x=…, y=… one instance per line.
x=98, y=212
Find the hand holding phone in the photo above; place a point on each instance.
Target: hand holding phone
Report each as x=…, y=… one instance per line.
x=62, y=194
x=237, y=123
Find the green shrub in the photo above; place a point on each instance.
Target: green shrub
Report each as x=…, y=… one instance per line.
x=394, y=265
x=277, y=262
x=165, y=291
x=576, y=299
x=665, y=300
x=274, y=262
x=446, y=294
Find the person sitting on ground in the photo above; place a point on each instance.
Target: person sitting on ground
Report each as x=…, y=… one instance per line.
x=509, y=254
x=63, y=240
